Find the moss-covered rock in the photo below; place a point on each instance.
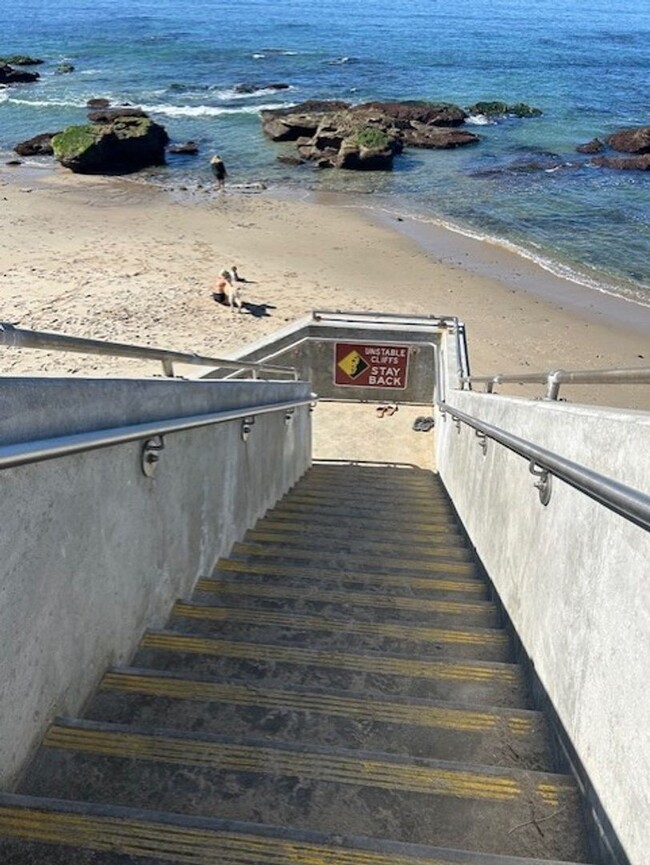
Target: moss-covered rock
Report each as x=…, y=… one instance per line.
x=496, y=108
x=20, y=60
x=121, y=147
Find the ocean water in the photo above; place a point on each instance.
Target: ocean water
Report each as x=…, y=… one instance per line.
x=585, y=64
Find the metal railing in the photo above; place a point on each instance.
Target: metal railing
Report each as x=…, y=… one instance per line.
x=20, y=338
x=555, y=378
x=623, y=500
x=24, y=453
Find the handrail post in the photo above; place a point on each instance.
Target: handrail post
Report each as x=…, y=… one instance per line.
x=553, y=383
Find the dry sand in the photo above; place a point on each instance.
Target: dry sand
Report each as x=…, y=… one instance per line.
x=118, y=260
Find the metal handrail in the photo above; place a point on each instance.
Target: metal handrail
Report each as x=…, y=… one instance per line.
x=554, y=378
x=25, y=453
x=21, y=338
x=617, y=497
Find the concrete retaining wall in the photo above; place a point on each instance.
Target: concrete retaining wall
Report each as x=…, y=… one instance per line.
x=92, y=552
x=574, y=578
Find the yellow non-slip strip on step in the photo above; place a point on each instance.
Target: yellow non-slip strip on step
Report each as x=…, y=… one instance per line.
x=401, y=510
x=361, y=522
x=358, y=599
x=404, y=533
x=432, y=584
x=189, y=845
x=427, y=550
x=377, y=497
x=381, y=711
x=357, y=558
x=383, y=665
x=408, y=632
x=363, y=771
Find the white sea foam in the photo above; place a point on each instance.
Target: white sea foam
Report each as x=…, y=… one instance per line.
x=479, y=120
x=231, y=94
x=47, y=103
x=209, y=110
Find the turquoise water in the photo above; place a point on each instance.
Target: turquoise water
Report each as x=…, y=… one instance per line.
x=584, y=63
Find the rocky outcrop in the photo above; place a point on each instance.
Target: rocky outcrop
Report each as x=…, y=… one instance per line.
x=635, y=140
x=593, y=146
x=365, y=137
x=100, y=102
x=39, y=145
x=125, y=144
x=9, y=75
x=64, y=69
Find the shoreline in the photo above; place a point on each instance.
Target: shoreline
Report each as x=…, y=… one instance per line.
x=129, y=261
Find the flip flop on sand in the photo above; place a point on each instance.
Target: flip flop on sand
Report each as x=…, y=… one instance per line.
x=381, y=410
x=390, y=410
x=423, y=424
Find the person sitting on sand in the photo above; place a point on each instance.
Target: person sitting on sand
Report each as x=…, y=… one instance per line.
x=226, y=288
x=219, y=170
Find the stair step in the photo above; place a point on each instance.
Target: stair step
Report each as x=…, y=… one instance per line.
x=395, y=522
x=388, y=496
x=437, y=548
x=380, y=478
x=416, y=544
x=39, y=831
x=309, y=787
x=476, y=643
x=395, y=724
x=363, y=674
x=322, y=529
x=457, y=587
x=374, y=606
x=366, y=507
x=336, y=558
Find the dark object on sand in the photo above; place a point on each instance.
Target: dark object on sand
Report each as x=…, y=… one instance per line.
x=39, y=145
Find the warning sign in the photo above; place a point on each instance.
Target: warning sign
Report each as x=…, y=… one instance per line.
x=359, y=365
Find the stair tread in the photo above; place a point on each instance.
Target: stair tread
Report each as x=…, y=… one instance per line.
x=432, y=548
x=161, y=837
x=310, y=786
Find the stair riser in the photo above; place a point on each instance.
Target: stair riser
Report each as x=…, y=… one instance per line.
x=326, y=530
x=473, y=818
x=388, y=497
x=354, y=522
x=398, y=510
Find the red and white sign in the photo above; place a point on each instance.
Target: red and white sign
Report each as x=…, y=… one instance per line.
x=361, y=365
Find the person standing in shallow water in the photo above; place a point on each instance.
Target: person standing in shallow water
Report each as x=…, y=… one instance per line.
x=219, y=170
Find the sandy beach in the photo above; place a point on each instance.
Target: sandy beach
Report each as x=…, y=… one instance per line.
x=120, y=260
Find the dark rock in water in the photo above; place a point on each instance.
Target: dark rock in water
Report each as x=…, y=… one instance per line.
x=20, y=60
x=593, y=146
x=191, y=148
x=64, y=69
x=429, y=113
x=298, y=121
x=623, y=163
x=256, y=88
x=635, y=140
x=126, y=144
x=39, y=145
x=98, y=103
x=109, y=115
x=436, y=137
x=502, y=109
x=9, y=75
x=290, y=160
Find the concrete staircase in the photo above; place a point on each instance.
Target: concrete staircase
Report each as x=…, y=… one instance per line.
x=338, y=692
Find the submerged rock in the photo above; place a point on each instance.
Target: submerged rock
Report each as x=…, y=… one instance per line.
x=190, y=148
x=256, y=88
x=100, y=102
x=109, y=115
x=593, y=146
x=126, y=144
x=9, y=75
x=64, y=69
x=20, y=60
x=623, y=163
x=39, y=145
